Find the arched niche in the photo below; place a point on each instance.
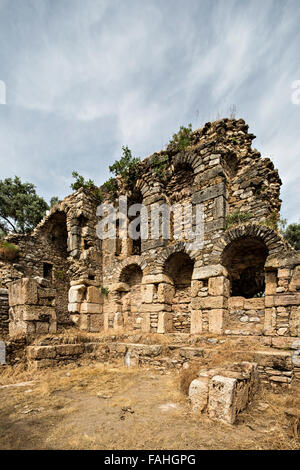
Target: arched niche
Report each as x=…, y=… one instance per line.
x=179, y=268
x=131, y=299
x=244, y=259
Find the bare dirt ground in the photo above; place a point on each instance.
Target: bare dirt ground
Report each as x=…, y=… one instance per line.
x=98, y=406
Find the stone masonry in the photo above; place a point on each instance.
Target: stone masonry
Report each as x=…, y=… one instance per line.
x=244, y=280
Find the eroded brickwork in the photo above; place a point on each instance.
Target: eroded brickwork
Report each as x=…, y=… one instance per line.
x=243, y=280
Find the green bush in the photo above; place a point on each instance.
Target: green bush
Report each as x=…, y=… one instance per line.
x=127, y=167
x=89, y=185
x=8, y=251
x=160, y=165
x=237, y=218
x=183, y=138
x=271, y=221
x=110, y=186
x=104, y=290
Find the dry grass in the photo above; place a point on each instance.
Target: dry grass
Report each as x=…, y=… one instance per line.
x=186, y=376
x=81, y=408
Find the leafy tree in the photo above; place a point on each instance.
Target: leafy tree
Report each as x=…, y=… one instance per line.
x=110, y=186
x=21, y=209
x=127, y=167
x=292, y=235
x=183, y=138
x=54, y=200
x=89, y=185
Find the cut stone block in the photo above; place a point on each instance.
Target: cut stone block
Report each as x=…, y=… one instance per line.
x=165, y=322
x=90, y=308
x=295, y=321
x=148, y=293
x=216, y=321
x=23, y=292
x=165, y=293
x=221, y=399
x=77, y=293
x=146, y=323
x=94, y=295
x=236, y=302
x=218, y=286
x=198, y=393
x=196, y=322
x=209, y=271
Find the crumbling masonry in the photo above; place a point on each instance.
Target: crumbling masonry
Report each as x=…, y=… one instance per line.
x=244, y=281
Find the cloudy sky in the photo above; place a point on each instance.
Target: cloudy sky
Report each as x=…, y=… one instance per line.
x=84, y=77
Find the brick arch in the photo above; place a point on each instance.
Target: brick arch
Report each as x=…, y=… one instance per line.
x=131, y=260
x=57, y=209
x=274, y=242
x=144, y=187
x=191, y=159
x=179, y=247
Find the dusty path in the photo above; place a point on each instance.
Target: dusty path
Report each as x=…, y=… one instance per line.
x=81, y=408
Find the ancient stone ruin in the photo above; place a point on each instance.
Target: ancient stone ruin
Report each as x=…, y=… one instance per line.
x=242, y=282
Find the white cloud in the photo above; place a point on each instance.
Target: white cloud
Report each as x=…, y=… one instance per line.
x=83, y=79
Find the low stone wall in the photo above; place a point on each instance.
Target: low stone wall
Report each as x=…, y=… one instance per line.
x=275, y=367
x=224, y=392
x=4, y=316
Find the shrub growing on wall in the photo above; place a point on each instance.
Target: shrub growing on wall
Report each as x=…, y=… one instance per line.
x=8, y=251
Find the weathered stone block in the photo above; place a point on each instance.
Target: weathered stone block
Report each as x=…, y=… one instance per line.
x=295, y=281
x=209, y=271
x=156, y=279
x=84, y=322
x=96, y=323
x=218, y=286
x=209, y=193
x=236, y=302
x=196, y=322
x=216, y=321
x=254, y=304
x=165, y=322
x=269, y=301
x=270, y=321
x=165, y=293
x=119, y=287
x=146, y=323
x=195, y=288
x=283, y=273
x=148, y=293
x=287, y=299
x=94, y=295
x=198, y=393
x=221, y=399
x=74, y=308
x=271, y=282
x=77, y=293
x=155, y=308
x=90, y=308
x=32, y=313
x=23, y=292
x=214, y=302
x=295, y=321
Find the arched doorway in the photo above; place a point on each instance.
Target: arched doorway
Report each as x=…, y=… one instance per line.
x=132, y=299
x=179, y=268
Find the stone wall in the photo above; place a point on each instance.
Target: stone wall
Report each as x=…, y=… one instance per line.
x=32, y=307
x=276, y=368
x=162, y=285
x=4, y=316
